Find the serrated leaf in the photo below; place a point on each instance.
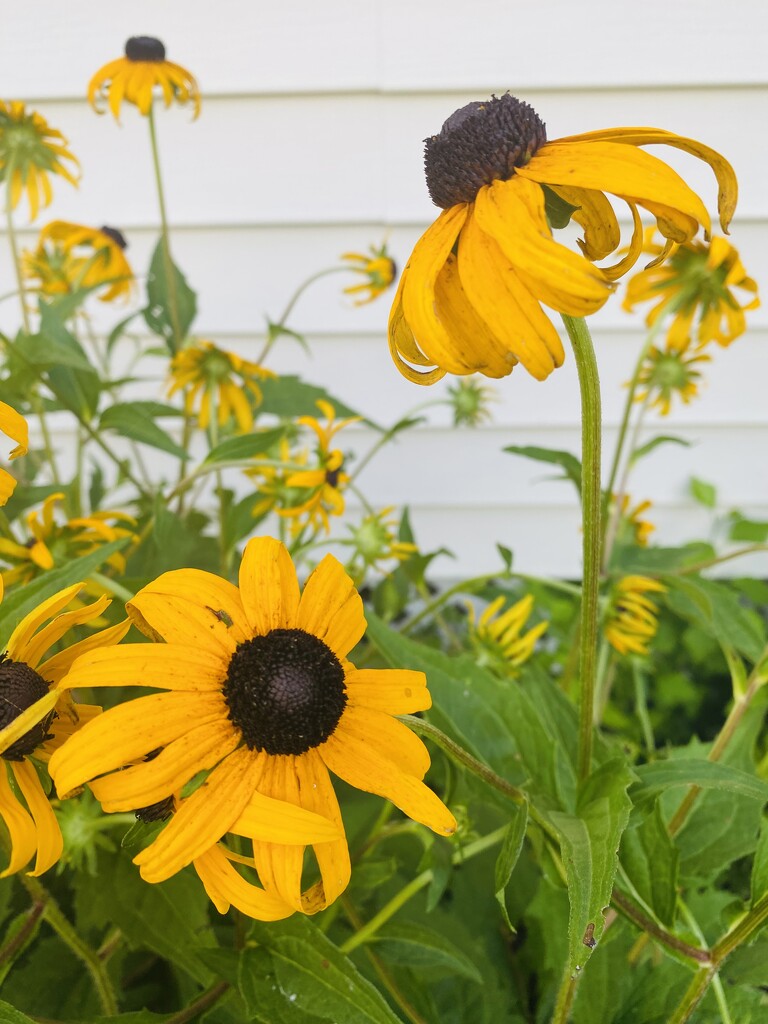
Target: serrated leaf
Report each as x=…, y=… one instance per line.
x=134, y=421
x=416, y=946
x=245, y=446
x=312, y=973
x=258, y=986
x=509, y=855
x=568, y=462
x=704, y=493
x=656, y=778
x=77, y=389
x=651, y=862
x=589, y=841
x=18, y=602
x=157, y=313
x=714, y=606
x=289, y=396
x=654, y=443
x=43, y=351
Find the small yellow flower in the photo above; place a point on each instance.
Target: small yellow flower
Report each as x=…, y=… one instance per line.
x=470, y=298
x=208, y=373
x=258, y=692
x=697, y=284
x=273, y=491
x=324, y=484
x=71, y=256
x=632, y=523
x=26, y=676
x=379, y=270
x=496, y=636
x=631, y=620
x=53, y=543
x=667, y=374
x=133, y=78
x=30, y=151
x=14, y=426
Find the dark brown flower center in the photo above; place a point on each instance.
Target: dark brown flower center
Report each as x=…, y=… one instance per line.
x=478, y=144
x=20, y=688
x=117, y=236
x=285, y=691
x=145, y=48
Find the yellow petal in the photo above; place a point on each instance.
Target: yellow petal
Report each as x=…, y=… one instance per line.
x=268, y=586
x=21, y=827
x=388, y=737
x=279, y=866
x=49, y=839
x=166, y=666
x=55, y=630
x=331, y=608
x=394, y=691
x=129, y=732
x=275, y=820
x=402, y=343
x=225, y=886
x=594, y=213
x=57, y=666
x=15, y=426
x=317, y=794
x=203, y=818
x=23, y=633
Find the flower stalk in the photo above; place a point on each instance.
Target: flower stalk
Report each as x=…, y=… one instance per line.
x=173, y=306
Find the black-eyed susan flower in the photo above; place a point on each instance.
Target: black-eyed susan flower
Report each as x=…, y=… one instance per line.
x=497, y=636
x=470, y=298
x=26, y=677
x=220, y=380
x=54, y=542
x=324, y=484
x=378, y=269
x=699, y=285
x=72, y=256
x=30, y=152
x=632, y=618
x=14, y=426
x=632, y=526
x=668, y=374
x=470, y=401
x=257, y=692
x=135, y=77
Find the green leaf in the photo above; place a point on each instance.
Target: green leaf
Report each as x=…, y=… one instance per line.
x=506, y=556
x=714, y=606
x=312, y=973
x=656, y=778
x=245, y=446
x=10, y=1015
x=759, y=883
x=750, y=531
x=558, y=210
x=43, y=351
x=568, y=462
x=289, y=397
x=78, y=389
x=704, y=493
x=650, y=560
x=589, y=841
x=133, y=420
x=275, y=331
x=157, y=314
x=415, y=946
x=509, y=855
x=119, y=329
x=654, y=443
x=10, y=934
x=259, y=988
x=651, y=862
x=20, y=601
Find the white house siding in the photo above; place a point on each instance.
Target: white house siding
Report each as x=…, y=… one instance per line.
x=310, y=144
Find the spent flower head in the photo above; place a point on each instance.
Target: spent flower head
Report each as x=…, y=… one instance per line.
x=378, y=269
x=72, y=256
x=470, y=298
x=30, y=152
x=136, y=77
x=699, y=285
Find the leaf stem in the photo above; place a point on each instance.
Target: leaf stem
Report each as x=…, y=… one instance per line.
x=591, y=501
x=173, y=307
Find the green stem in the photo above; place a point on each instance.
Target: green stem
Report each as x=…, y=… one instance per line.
x=693, y=996
x=465, y=587
x=274, y=328
x=589, y=387
x=195, y=1010
x=688, y=570
x=751, y=923
x=12, y=947
x=170, y=277
x=466, y=853
x=113, y=586
x=89, y=957
x=633, y=913
x=612, y=527
x=565, y=997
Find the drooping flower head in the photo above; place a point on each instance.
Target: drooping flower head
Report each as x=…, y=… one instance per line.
x=14, y=426
x=31, y=151
x=378, y=269
x=72, y=256
x=632, y=526
x=53, y=541
x=667, y=374
x=470, y=298
x=632, y=618
x=497, y=636
x=257, y=692
x=135, y=76
x=27, y=676
x=699, y=286
x=210, y=376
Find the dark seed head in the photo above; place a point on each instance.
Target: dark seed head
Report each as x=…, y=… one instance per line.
x=145, y=48
x=478, y=144
x=20, y=688
x=285, y=691
x=117, y=236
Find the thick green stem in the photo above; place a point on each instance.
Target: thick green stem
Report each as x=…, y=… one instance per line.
x=565, y=997
x=591, y=426
x=173, y=306
x=693, y=996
